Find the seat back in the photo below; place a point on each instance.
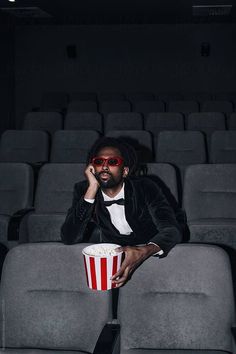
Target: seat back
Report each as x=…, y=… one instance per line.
x=53, y=101
x=184, y=107
x=179, y=304
x=223, y=147
x=82, y=106
x=24, y=146
x=106, y=107
x=146, y=107
x=72, y=145
x=210, y=191
x=157, y=122
x=217, y=106
x=47, y=121
x=46, y=302
x=124, y=121
x=84, y=121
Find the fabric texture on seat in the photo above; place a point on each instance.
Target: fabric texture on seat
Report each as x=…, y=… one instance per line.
x=47, y=304
x=183, y=302
x=157, y=122
x=209, y=199
x=83, y=121
x=141, y=141
x=223, y=147
x=146, y=107
x=124, y=121
x=24, y=146
x=106, y=107
x=53, y=198
x=82, y=106
x=184, y=107
x=72, y=145
x=47, y=121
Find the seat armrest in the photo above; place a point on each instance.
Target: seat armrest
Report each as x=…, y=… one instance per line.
x=14, y=223
x=108, y=339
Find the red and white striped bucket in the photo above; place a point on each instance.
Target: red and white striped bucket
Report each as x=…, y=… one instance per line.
x=100, y=268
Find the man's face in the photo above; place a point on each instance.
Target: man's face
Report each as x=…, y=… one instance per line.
x=110, y=176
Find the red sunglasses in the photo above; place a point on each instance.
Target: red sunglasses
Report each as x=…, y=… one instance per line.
x=111, y=161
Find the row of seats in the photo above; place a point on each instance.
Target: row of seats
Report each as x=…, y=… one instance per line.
x=183, y=303
x=209, y=199
x=180, y=148
x=154, y=122
x=146, y=107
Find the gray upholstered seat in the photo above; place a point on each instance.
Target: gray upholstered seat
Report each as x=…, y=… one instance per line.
x=209, y=198
x=169, y=96
x=24, y=146
x=184, y=107
x=72, y=145
x=180, y=148
x=232, y=121
x=106, y=107
x=181, y=304
x=83, y=121
x=47, y=306
x=166, y=173
x=83, y=96
x=223, y=147
x=53, y=198
x=82, y=106
x=157, y=122
x=124, y=121
x=111, y=96
x=141, y=140
x=146, y=107
x=217, y=106
x=53, y=101
x=16, y=193
x=197, y=96
x=47, y=121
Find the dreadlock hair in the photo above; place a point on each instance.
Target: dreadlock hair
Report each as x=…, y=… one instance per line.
x=127, y=151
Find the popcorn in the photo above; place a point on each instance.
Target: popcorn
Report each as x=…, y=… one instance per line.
x=101, y=249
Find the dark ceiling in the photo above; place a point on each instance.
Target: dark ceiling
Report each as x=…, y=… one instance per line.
x=77, y=12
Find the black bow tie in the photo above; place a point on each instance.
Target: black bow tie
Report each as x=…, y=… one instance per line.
x=120, y=201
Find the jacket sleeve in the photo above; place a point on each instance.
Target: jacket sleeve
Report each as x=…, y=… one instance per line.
x=169, y=231
x=78, y=217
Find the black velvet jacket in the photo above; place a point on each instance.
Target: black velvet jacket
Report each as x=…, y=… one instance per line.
x=147, y=211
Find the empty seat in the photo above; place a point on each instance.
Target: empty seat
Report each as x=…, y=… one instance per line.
x=111, y=96
x=198, y=96
x=209, y=199
x=232, y=121
x=180, y=304
x=146, y=107
x=53, y=198
x=83, y=96
x=139, y=139
x=47, y=121
x=24, y=146
x=48, y=307
x=53, y=101
x=223, y=147
x=225, y=96
x=184, y=107
x=106, y=107
x=140, y=96
x=217, y=106
x=16, y=193
x=206, y=123
x=157, y=122
x=82, y=106
x=166, y=173
x=180, y=147
x=72, y=145
x=83, y=121
x=124, y=121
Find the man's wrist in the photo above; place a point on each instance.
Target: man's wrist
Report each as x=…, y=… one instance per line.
x=152, y=249
x=91, y=192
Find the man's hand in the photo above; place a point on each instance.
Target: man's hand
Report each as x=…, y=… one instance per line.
x=134, y=256
x=93, y=182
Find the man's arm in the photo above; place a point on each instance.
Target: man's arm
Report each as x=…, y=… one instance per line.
x=78, y=216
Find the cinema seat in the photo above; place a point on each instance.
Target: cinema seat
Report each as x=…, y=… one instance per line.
x=46, y=304
x=83, y=121
x=184, y=107
x=53, y=101
x=223, y=147
x=217, y=106
x=107, y=107
x=82, y=106
x=181, y=304
x=47, y=121
x=157, y=122
x=124, y=121
x=146, y=107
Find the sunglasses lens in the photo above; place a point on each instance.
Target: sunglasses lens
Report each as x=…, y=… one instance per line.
x=113, y=162
x=98, y=161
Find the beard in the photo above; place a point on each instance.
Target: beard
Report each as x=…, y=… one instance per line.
x=110, y=183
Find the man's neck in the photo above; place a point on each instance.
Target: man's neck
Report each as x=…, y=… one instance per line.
x=112, y=192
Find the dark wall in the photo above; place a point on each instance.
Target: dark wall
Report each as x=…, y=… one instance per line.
x=156, y=58
x=6, y=77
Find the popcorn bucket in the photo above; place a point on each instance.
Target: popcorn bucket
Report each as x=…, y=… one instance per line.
x=101, y=262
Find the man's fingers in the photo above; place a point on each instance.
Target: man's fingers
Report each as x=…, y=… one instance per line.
x=122, y=279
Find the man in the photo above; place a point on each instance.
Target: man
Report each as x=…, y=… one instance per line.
x=130, y=211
